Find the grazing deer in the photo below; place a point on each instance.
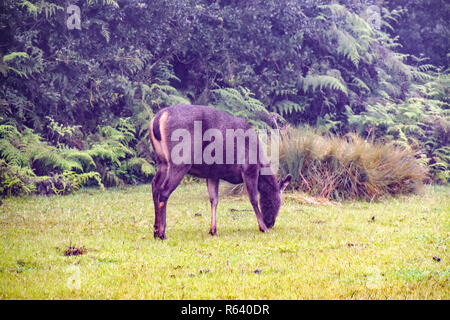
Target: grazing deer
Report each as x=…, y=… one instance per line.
x=244, y=163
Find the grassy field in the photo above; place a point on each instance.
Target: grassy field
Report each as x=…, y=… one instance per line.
x=393, y=249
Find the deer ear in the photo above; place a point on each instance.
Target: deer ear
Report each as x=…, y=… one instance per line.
x=284, y=183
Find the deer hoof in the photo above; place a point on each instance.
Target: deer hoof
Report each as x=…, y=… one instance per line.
x=213, y=232
x=160, y=236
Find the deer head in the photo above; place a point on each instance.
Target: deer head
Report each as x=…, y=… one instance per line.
x=270, y=197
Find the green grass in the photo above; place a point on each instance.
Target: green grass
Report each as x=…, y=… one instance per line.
x=314, y=252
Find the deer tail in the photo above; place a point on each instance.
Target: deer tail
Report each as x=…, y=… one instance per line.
x=158, y=136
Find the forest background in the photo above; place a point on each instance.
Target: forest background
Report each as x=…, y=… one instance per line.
x=75, y=103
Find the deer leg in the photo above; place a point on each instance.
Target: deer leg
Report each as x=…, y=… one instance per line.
x=251, y=184
x=213, y=190
x=158, y=179
x=173, y=178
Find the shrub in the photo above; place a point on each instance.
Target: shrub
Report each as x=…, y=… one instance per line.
x=66, y=182
x=421, y=122
x=30, y=165
x=15, y=180
x=348, y=167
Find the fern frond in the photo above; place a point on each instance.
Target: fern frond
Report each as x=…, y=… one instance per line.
x=335, y=8
x=360, y=84
x=104, y=2
x=141, y=166
x=82, y=157
x=13, y=55
x=12, y=154
x=36, y=9
x=426, y=67
x=286, y=107
x=104, y=30
x=348, y=46
x=315, y=82
x=240, y=102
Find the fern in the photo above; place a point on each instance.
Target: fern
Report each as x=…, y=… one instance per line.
x=113, y=145
x=166, y=95
x=426, y=67
x=104, y=30
x=49, y=159
x=109, y=152
x=352, y=34
x=59, y=130
x=420, y=122
x=287, y=107
x=37, y=8
x=14, y=55
x=347, y=46
x=240, y=102
x=320, y=82
x=361, y=85
x=136, y=169
x=104, y=2
x=85, y=160
x=11, y=154
x=12, y=146
x=79, y=180
x=15, y=180
x=7, y=59
x=336, y=9
x=164, y=73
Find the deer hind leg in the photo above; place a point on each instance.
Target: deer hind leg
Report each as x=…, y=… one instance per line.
x=213, y=190
x=251, y=185
x=174, y=175
x=157, y=182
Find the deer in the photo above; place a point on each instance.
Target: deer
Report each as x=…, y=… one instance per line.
x=176, y=157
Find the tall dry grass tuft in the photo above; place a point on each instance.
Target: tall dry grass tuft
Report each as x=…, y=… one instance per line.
x=348, y=167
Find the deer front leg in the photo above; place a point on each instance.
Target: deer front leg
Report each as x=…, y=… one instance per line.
x=251, y=184
x=213, y=190
x=160, y=226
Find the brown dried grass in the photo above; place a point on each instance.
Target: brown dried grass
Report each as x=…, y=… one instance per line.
x=348, y=167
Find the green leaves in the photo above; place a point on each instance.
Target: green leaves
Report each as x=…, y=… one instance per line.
x=14, y=55
x=104, y=2
x=352, y=34
x=240, y=102
x=307, y=62
x=287, y=107
x=419, y=123
x=6, y=65
x=59, y=131
x=30, y=164
x=319, y=82
x=104, y=30
x=348, y=46
x=37, y=8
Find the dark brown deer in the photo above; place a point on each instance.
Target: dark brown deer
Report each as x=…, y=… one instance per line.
x=172, y=122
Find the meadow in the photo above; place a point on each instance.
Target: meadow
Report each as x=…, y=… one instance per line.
x=99, y=245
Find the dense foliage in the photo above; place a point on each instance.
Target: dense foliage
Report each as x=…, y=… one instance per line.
x=423, y=31
x=86, y=96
